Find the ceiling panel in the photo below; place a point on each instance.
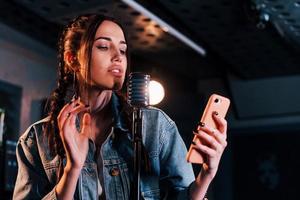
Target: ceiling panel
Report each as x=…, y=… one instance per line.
x=230, y=30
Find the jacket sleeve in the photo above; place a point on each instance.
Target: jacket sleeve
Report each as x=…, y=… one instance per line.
x=32, y=182
x=176, y=173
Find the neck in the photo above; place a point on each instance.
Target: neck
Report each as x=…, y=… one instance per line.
x=101, y=123
x=97, y=100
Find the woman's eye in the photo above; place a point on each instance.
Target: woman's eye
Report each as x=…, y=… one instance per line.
x=102, y=47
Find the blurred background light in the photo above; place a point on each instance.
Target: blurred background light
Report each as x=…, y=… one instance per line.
x=156, y=92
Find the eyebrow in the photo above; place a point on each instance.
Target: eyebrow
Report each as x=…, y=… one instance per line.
x=108, y=39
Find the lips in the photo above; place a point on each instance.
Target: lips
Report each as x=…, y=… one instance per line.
x=116, y=70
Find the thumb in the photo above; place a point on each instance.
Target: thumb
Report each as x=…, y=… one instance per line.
x=86, y=124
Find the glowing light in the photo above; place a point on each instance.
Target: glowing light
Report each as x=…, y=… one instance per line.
x=156, y=92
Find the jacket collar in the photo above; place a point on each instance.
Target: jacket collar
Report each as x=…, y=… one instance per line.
x=118, y=114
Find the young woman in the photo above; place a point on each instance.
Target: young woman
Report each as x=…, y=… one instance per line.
x=84, y=149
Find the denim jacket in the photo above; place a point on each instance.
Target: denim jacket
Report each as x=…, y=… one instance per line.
x=169, y=178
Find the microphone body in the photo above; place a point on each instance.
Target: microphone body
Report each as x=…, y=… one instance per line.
x=138, y=98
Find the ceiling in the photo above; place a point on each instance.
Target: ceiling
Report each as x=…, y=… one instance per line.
x=250, y=39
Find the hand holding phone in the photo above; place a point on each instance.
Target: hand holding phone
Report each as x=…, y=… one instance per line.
x=216, y=103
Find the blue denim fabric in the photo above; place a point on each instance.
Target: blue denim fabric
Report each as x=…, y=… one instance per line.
x=169, y=178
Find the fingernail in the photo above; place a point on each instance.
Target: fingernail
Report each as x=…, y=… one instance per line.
x=201, y=124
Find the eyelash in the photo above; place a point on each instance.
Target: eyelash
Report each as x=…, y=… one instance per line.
x=123, y=52
x=102, y=47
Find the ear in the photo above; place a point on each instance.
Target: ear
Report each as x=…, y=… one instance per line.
x=71, y=59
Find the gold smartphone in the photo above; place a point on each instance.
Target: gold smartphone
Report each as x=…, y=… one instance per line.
x=216, y=103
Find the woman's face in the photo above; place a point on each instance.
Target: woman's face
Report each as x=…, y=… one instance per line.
x=108, y=58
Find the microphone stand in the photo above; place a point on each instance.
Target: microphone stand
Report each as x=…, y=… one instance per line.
x=137, y=139
x=138, y=98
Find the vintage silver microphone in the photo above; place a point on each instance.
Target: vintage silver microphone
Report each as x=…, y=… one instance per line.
x=138, y=98
x=138, y=89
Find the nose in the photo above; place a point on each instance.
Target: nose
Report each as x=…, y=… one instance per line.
x=116, y=56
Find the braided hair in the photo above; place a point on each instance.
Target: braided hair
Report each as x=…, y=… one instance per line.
x=78, y=33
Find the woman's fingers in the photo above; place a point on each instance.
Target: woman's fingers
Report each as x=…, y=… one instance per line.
x=213, y=143
x=65, y=113
x=86, y=124
x=210, y=152
x=209, y=140
x=215, y=133
x=75, y=112
x=77, y=108
x=68, y=114
x=221, y=124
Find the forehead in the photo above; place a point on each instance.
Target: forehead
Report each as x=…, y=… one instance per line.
x=111, y=30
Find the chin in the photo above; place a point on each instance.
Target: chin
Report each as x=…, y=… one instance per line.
x=117, y=86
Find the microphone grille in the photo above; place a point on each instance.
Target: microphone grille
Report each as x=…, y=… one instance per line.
x=138, y=89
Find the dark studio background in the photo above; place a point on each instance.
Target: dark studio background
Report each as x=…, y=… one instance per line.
x=252, y=58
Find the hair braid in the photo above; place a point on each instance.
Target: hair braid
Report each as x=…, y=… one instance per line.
x=71, y=39
x=57, y=101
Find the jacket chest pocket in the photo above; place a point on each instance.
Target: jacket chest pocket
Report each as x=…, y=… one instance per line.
x=116, y=180
x=52, y=169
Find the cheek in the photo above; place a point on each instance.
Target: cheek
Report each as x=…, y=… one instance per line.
x=97, y=70
x=98, y=63
x=125, y=64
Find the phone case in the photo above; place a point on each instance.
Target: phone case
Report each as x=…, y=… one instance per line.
x=216, y=103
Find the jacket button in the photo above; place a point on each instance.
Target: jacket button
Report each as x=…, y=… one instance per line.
x=114, y=172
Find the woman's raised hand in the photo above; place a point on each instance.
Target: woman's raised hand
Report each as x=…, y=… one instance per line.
x=213, y=145
x=75, y=142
